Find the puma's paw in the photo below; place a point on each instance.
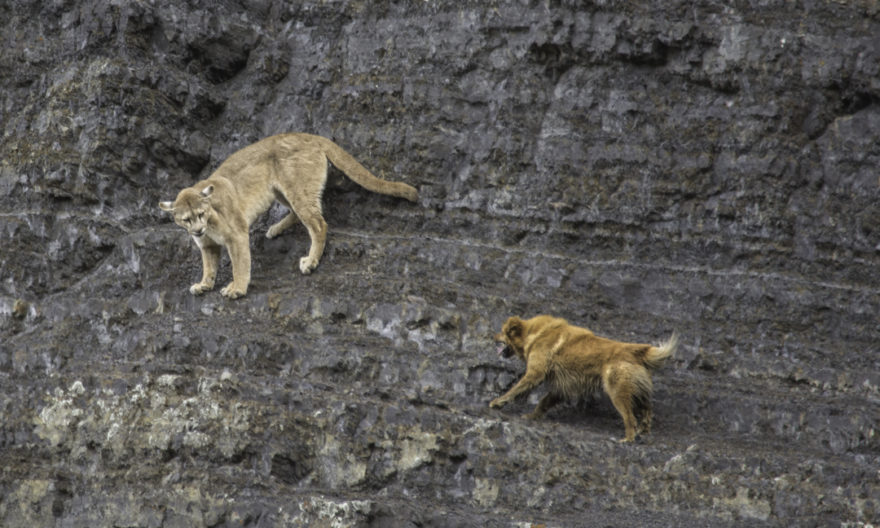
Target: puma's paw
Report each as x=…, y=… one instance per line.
x=231, y=291
x=200, y=288
x=497, y=403
x=306, y=265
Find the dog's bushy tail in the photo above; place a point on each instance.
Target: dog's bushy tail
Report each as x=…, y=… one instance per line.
x=656, y=356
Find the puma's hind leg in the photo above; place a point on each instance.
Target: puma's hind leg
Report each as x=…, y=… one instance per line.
x=318, y=234
x=317, y=228
x=281, y=226
x=303, y=196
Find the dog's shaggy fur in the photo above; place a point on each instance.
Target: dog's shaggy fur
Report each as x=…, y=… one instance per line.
x=575, y=362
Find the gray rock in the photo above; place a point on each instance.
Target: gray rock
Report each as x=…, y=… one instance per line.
x=637, y=169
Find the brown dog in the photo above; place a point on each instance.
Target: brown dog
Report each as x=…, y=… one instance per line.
x=575, y=362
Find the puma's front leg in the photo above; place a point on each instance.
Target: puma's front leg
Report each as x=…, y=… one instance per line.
x=210, y=260
x=240, y=256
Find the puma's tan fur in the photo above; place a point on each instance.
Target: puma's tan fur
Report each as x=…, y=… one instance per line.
x=290, y=168
x=574, y=362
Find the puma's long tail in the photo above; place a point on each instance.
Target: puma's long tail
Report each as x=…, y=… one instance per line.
x=360, y=175
x=656, y=356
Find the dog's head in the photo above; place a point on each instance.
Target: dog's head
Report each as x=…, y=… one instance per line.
x=511, y=338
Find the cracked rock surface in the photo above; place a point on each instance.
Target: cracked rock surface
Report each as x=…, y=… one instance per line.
x=636, y=168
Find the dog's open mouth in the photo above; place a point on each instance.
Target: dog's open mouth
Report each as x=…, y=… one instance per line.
x=504, y=350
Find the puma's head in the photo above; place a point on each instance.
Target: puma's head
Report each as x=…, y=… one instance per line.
x=191, y=210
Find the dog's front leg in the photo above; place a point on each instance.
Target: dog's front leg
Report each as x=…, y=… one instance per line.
x=532, y=378
x=549, y=400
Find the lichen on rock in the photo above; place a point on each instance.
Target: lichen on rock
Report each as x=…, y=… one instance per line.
x=635, y=168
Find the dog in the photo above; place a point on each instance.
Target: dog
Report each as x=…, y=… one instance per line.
x=574, y=362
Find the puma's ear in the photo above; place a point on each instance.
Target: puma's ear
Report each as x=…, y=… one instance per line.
x=207, y=191
x=166, y=206
x=513, y=327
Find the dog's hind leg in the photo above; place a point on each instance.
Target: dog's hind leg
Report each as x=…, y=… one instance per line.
x=617, y=382
x=642, y=387
x=646, y=412
x=549, y=400
x=623, y=404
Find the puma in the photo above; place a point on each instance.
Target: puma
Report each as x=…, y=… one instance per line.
x=289, y=168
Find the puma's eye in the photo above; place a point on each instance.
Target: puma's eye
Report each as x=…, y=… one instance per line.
x=201, y=215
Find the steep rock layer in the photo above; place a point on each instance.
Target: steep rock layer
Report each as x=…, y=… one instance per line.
x=637, y=168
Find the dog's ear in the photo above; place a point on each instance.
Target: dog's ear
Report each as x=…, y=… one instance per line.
x=513, y=328
x=166, y=206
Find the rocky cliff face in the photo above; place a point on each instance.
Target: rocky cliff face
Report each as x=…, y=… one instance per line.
x=703, y=167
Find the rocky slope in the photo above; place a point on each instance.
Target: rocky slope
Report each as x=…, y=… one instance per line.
x=637, y=168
